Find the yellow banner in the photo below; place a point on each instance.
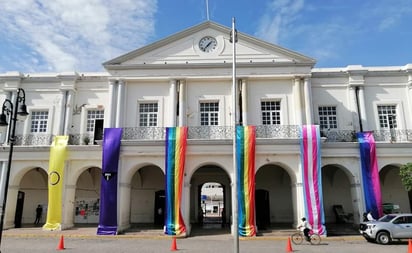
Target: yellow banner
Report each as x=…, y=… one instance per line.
x=56, y=171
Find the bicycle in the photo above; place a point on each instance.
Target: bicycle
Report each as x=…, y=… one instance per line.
x=298, y=237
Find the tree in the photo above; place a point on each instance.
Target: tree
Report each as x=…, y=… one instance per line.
x=405, y=173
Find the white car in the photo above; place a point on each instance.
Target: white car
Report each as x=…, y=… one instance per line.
x=388, y=228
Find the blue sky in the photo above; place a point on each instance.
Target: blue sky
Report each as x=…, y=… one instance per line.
x=79, y=35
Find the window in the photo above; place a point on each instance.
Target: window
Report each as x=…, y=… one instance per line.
x=92, y=115
x=387, y=116
x=148, y=114
x=270, y=112
x=209, y=113
x=327, y=117
x=39, y=121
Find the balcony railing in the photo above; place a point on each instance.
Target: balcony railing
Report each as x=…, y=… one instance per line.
x=219, y=133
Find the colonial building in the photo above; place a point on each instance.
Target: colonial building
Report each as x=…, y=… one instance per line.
x=186, y=80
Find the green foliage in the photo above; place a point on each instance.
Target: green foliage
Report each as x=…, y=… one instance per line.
x=405, y=173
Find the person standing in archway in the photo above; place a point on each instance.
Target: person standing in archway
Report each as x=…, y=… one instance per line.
x=39, y=211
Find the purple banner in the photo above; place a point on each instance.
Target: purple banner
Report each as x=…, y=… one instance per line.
x=108, y=189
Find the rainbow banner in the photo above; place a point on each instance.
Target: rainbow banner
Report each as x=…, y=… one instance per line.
x=57, y=159
x=312, y=177
x=245, y=158
x=176, y=138
x=370, y=173
x=108, y=187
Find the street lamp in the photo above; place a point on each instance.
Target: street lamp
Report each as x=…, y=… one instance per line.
x=15, y=113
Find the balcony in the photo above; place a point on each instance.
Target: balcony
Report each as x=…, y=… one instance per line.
x=219, y=133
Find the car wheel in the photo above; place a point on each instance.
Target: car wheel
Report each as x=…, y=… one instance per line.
x=383, y=238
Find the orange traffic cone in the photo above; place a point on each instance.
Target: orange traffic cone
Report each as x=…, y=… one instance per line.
x=409, y=246
x=174, y=246
x=61, y=244
x=289, y=246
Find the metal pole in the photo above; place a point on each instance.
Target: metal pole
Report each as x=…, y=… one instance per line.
x=234, y=117
x=11, y=140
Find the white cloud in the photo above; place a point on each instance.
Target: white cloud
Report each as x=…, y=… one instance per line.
x=76, y=35
x=280, y=15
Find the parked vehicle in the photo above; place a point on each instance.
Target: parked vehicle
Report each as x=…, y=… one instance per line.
x=390, y=208
x=388, y=228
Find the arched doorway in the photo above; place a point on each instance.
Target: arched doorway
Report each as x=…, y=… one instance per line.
x=274, y=201
x=147, y=197
x=32, y=192
x=210, y=201
x=394, y=195
x=337, y=195
x=87, y=197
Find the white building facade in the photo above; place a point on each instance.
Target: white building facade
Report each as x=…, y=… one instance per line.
x=186, y=80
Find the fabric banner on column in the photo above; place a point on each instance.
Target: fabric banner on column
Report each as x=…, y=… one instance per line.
x=245, y=158
x=312, y=177
x=176, y=138
x=57, y=159
x=108, y=187
x=370, y=173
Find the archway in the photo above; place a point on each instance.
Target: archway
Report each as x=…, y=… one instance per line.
x=337, y=195
x=274, y=201
x=147, y=196
x=32, y=192
x=210, y=200
x=393, y=193
x=87, y=197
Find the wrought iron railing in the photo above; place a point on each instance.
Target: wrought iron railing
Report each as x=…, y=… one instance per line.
x=219, y=133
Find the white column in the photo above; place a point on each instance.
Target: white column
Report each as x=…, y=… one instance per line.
x=124, y=205
x=182, y=103
x=299, y=206
x=233, y=200
x=186, y=205
x=11, y=205
x=357, y=203
x=298, y=103
x=111, y=110
x=62, y=112
x=68, y=206
x=244, y=101
x=308, y=101
x=120, y=104
x=69, y=112
x=3, y=166
x=173, y=99
x=409, y=87
x=362, y=108
x=354, y=107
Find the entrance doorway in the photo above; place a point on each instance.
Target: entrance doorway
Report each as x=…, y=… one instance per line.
x=159, y=208
x=262, y=209
x=210, y=205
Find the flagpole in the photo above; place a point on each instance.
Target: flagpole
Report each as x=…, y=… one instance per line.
x=233, y=39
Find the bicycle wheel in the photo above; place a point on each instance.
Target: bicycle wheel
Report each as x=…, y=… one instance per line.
x=297, y=238
x=315, y=239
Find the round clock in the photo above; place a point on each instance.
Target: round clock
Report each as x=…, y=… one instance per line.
x=207, y=44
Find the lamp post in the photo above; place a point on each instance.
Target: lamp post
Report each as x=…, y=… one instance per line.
x=13, y=112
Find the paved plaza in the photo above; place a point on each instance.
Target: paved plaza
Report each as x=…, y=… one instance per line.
x=85, y=240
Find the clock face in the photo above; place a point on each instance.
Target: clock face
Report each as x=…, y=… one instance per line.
x=208, y=44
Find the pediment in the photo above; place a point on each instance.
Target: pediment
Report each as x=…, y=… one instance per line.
x=183, y=48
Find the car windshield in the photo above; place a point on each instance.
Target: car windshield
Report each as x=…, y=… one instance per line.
x=387, y=218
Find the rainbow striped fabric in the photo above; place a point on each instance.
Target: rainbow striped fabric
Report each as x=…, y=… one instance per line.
x=312, y=177
x=245, y=158
x=370, y=173
x=175, y=165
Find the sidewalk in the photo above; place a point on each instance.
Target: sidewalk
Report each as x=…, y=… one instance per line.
x=154, y=233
